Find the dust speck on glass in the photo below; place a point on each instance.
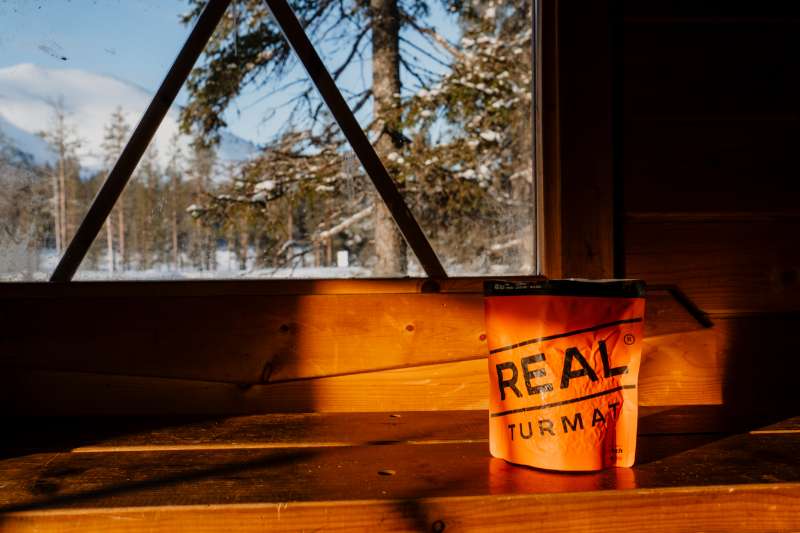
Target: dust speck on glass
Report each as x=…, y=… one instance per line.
x=248, y=175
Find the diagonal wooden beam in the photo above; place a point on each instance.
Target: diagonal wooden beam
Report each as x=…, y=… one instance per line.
x=119, y=176
x=358, y=140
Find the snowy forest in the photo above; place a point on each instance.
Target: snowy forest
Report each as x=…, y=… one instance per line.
x=450, y=118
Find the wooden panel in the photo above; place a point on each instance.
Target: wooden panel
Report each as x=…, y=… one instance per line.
x=691, y=164
x=262, y=287
x=410, y=486
x=116, y=434
x=241, y=339
x=724, y=267
x=760, y=368
x=459, y=385
x=584, y=170
x=27, y=435
x=236, y=476
x=675, y=371
x=681, y=369
x=550, y=164
x=756, y=508
x=664, y=315
x=250, y=340
x=712, y=67
x=788, y=426
x=710, y=11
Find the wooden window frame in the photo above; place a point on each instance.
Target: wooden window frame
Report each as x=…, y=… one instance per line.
x=295, y=35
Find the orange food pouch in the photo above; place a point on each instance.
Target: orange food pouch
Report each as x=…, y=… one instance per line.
x=563, y=369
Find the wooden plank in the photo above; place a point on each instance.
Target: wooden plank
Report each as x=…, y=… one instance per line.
x=693, y=419
x=551, y=252
x=27, y=435
x=450, y=386
x=250, y=340
x=713, y=66
x=681, y=369
x=723, y=267
x=754, y=508
x=455, y=385
x=196, y=477
x=655, y=217
x=585, y=203
x=788, y=426
x=757, y=376
x=690, y=164
x=721, y=11
x=261, y=287
x=664, y=315
x=113, y=434
x=39, y=486
x=761, y=374
x=241, y=339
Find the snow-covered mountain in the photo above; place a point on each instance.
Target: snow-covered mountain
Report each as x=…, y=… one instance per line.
x=27, y=94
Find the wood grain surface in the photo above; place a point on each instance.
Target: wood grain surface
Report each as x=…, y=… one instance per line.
x=724, y=267
x=400, y=485
x=751, y=508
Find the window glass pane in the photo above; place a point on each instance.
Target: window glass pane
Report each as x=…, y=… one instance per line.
x=265, y=184
x=67, y=68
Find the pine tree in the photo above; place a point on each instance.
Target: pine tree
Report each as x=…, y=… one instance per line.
x=25, y=216
x=480, y=165
x=458, y=144
x=248, y=49
x=202, y=240
x=116, y=135
x=64, y=143
x=146, y=210
x=174, y=197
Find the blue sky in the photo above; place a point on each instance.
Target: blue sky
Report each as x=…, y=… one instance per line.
x=134, y=40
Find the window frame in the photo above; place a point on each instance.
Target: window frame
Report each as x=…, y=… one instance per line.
x=549, y=224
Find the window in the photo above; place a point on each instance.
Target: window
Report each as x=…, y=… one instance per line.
x=260, y=181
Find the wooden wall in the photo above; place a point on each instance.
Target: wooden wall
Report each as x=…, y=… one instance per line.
x=242, y=347
x=668, y=155
x=709, y=107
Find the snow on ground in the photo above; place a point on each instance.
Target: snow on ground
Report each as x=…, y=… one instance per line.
x=27, y=92
x=33, y=269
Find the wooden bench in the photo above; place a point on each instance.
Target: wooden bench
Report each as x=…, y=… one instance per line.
x=418, y=471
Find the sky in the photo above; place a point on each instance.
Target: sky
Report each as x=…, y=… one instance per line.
x=136, y=41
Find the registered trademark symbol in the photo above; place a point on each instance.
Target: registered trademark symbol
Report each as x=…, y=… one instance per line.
x=628, y=339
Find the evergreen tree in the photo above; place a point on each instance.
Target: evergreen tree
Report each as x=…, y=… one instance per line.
x=458, y=146
x=248, y=49
x=114, y=139
x=63, y=143
x=147, y=223
x=25, y=213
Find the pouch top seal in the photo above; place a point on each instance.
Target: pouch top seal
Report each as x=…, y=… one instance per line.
x=612, y=288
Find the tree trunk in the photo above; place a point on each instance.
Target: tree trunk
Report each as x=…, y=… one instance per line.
x=110, y=245
x=57, y=214
x=390, y=247
x=174, y=214
x=123, y=259
x=175, y=264
x=244, y=244
x=62, y=194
